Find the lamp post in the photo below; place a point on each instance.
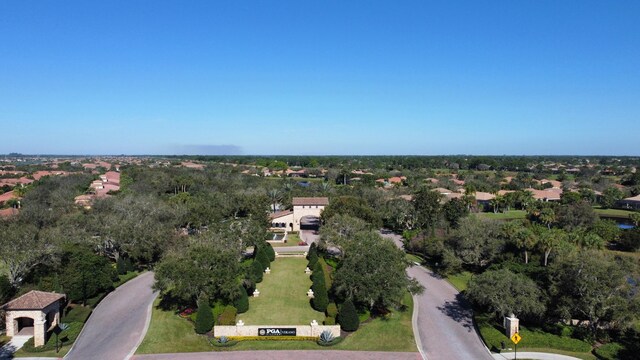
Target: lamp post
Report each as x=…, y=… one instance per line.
x=57, y=330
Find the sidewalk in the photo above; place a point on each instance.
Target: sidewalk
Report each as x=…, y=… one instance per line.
x=532, y=355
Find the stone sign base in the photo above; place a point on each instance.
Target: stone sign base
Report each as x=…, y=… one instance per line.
x=253, y=330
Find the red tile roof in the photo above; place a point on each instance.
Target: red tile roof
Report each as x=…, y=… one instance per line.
x=279, y=214
x=300, y=201
x=8, y=212
x=7, y=196
x=34, y=299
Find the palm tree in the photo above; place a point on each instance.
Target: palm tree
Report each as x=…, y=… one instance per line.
x=548, y=240
x=275, y=196
x=547, y=216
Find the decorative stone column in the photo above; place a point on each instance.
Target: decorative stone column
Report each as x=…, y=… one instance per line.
x=511, y=325
x=39, y=331
x=12, y=325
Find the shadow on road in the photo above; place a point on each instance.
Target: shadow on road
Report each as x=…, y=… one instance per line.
x=459, y=311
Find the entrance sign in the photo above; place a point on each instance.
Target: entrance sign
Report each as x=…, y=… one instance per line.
x=276, y=331
x=516, y=338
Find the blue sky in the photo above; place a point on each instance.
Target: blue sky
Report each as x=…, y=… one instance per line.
x=320, y=77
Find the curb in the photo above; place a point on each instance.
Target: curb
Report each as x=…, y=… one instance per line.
x=416, y=329
x=144, y=330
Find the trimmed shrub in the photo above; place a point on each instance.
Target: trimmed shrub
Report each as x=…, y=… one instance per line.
x=312, y=256
x=320, y=299
x=204, y=317
x=329, y=320
x=257, y=271
x=262, y=257
x=332, y=310
x=270, y=252
x=242, y=302
x=228, y=316
x=318, y=272
x=121, y=267
x=129, y=265
x=348, y=317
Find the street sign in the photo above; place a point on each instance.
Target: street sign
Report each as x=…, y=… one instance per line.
x=516, y=338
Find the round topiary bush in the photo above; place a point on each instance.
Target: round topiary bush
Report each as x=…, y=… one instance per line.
x=262, y=257
x=270, y=252
x=257, y=271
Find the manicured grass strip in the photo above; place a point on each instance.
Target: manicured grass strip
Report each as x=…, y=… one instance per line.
x=4, y=339
x=393, y=333
x=460, y=281
x=619, y=213
x=414, y=258
x=169, y=333
x=609, y=351
x=532, y=339
x=292, y=240
x=283, y=296
x=507, y=215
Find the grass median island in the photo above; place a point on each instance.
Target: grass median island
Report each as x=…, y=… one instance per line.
x=170, y=333
x=283, y=296
x=532, y=340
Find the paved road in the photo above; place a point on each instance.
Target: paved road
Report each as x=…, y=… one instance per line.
x=444, y=321
x=117, y=325
x=533, y=355
x=285, y=355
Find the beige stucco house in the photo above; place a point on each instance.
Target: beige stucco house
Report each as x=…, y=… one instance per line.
x=303, y=207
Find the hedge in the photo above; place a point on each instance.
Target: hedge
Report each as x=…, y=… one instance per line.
x=228, y=316
x=276, y=338
x=332, y=310
x=204, y=317
x=270, y=252
x=262, y=257
x=348, y=317
x=242, y=302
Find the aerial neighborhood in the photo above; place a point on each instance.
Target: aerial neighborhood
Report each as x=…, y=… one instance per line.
x=319, y=255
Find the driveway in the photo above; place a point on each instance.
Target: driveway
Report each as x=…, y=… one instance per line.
x=444, y=323
x=118, y=324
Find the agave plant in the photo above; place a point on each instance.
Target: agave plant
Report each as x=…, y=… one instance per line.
x=326, y=336
x=223, y=340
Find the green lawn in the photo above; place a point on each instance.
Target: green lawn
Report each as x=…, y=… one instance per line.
x=507, y=215
x=460, y=281
x=283, y=296
x=619, y=213
x=393, y=333
x=292, y=240
x=170, y=333
x=533, y=340
x=414, y=258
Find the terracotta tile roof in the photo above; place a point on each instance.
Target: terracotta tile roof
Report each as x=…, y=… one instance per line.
x=548, y=194
x=633, y=198
x=8, y=212
x=484, y=196
x=279, y=214
x=554, y=183
x=505, y=192
x=300, y=201
x=34, y=299
x=7, y=196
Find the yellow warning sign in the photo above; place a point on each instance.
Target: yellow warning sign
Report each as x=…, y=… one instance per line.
x=516, y=338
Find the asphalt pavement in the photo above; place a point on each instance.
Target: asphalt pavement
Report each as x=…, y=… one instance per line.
x=118, y=324
x=445, y=320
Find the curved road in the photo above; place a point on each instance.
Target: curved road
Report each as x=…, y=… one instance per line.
x=117, y=325
x=444, y=323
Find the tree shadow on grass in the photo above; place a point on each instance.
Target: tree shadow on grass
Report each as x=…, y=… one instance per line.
x=459, y=310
